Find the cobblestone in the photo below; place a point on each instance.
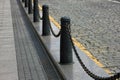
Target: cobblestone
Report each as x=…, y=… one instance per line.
x=95, y=24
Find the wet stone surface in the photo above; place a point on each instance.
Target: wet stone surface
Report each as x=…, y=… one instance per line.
x=95, y=24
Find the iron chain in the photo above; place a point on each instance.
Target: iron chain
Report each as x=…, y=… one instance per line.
x=94, y=76
x=55, y=35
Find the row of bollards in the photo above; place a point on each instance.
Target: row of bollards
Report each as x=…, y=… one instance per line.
x=34, y=10
x=66, y=56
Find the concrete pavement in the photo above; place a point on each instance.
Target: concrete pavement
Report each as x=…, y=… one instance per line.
x=8, y=64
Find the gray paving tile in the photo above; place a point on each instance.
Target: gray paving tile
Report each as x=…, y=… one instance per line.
x=30, y=66
x=8, y=65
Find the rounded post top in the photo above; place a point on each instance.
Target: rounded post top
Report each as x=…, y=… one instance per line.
x=45, y=6
x=65, y=19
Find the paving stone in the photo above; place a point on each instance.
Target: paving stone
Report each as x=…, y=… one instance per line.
x=8, y=64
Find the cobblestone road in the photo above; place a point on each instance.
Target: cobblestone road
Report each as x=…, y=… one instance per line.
x=96, y=24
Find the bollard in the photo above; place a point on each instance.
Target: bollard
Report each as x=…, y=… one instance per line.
x=66, y=56
x=26, y=3
x=29, y=6
x=36, y=11
x=23, y=0
x=46, y=22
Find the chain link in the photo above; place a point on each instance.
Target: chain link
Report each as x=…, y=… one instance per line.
x=114, y=77
x=55, y=35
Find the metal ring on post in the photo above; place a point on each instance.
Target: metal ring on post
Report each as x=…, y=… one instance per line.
x=46, y=21
x=66, y=56
x=29, y=6
x=36, y=11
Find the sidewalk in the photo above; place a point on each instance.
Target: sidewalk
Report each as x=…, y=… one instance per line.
x=8, y=64
x=32, y=58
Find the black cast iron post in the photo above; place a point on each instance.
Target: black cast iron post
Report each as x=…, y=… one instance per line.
x=36, y=11
x=46, y=21
x=29, y=6
x=23, y=0
x=26, y=3
x=66, y=56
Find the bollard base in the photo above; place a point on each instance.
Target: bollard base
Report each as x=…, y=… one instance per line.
x=66, y=63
